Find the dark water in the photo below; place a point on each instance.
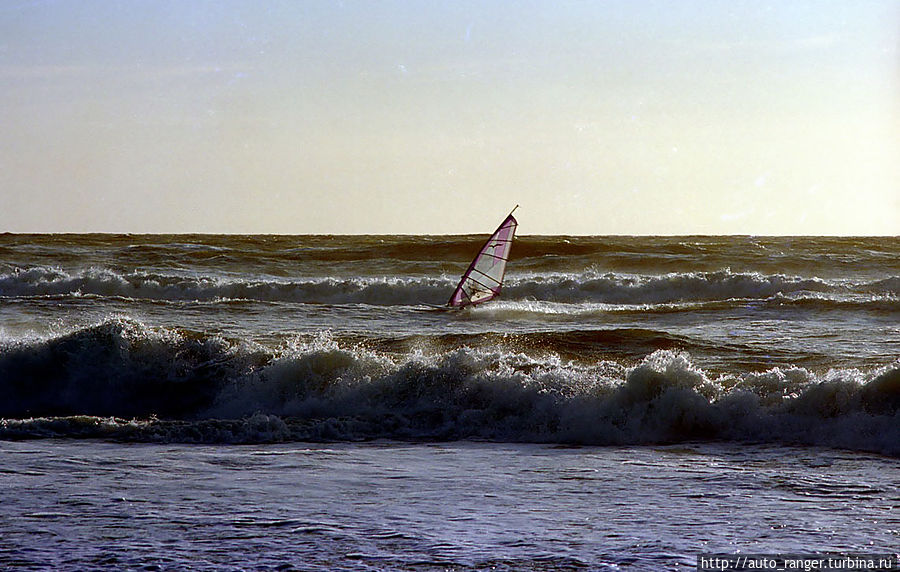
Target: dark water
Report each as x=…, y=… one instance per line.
x=596, y=340
x=230, y=402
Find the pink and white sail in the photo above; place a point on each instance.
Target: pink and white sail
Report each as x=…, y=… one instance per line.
x=484, y=277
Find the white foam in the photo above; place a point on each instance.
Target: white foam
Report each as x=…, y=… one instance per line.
x=596, y=291
x=318, y=388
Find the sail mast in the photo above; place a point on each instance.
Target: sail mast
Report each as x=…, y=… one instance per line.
x=483, y=279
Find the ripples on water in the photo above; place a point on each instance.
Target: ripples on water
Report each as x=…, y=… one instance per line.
x=434, y=507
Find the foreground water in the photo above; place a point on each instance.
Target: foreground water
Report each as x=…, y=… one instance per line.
x=452, y=506
x=251, y=401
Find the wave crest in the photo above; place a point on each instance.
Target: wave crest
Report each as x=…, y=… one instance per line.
x=588, y=287
x=183, y=386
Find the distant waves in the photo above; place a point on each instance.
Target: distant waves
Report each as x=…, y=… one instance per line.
x=577, y=288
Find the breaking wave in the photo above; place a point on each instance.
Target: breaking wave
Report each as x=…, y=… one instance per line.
x=588, y=287
x=42, y=281
x=124, y=380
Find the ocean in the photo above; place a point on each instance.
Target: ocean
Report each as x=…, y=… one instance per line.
x=292, y=402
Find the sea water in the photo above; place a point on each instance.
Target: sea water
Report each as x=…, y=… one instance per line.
x=253, y=402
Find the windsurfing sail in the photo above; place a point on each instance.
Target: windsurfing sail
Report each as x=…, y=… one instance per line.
x=483, y=279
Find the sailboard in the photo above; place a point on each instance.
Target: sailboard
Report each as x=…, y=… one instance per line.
x=483, y=279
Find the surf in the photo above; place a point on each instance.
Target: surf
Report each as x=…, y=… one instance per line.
x=586, y=287
x=125, y=380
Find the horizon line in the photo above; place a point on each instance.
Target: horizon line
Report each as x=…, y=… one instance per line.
x=664, y=235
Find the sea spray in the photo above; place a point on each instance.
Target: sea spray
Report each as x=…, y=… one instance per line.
x=183, y=386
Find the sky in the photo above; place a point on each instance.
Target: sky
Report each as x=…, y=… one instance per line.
x=397, y=117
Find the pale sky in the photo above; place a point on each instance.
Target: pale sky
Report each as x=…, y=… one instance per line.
x=597, y=117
